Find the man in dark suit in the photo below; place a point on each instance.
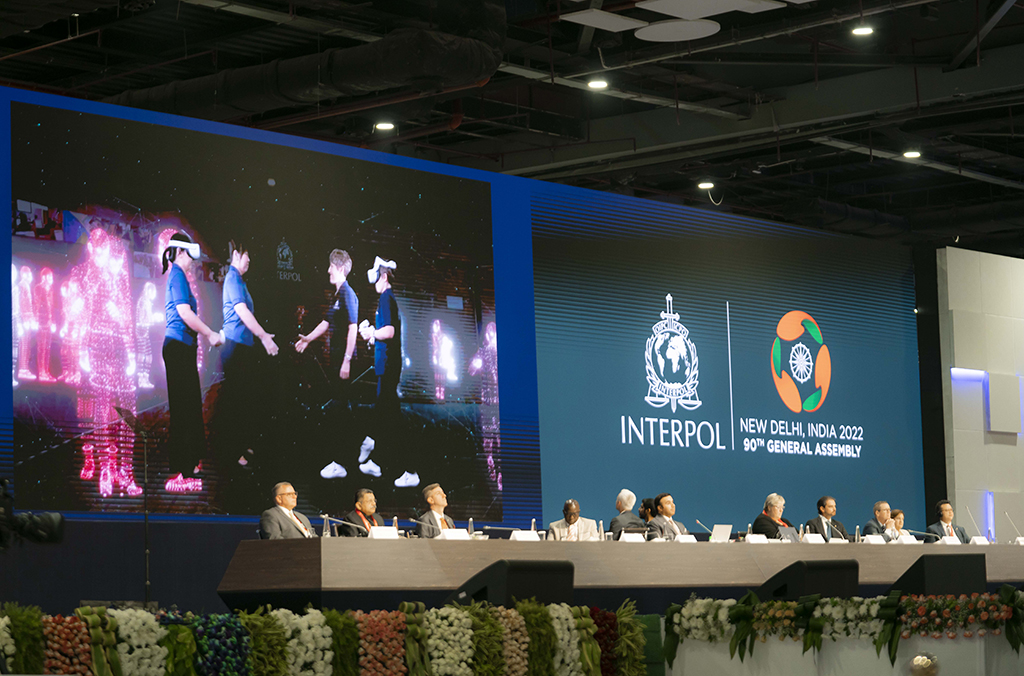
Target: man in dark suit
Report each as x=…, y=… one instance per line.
x=883, y=523
x=825, y=524
x=945, y=526
x=433, y=522
x=282, y=522
x=360, y=520
x=626, y=518
x=662, y=525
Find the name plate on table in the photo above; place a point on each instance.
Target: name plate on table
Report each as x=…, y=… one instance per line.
x=906, y=540
x=639, y=537
x=454, y=534
x=979, y=540
x=838, y=540
x=383, y=533
x=874, y=539
x=950, y=540
x=1019, y=541
x=524, y=536
x=756, y=538
x=813, y=539
x=685, y=537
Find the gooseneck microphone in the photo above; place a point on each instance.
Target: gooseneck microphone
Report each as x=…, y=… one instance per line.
x=702, y=525
x=980, y=532
x=1012, y=523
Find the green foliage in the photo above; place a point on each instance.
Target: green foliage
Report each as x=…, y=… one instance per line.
x=742, y=616
x=543, y=641
x=630, y=648
x=416, y=659
x=345, y=642
x=488, y=638
x=888, y=612
x=27, y=631
x=181, y=650
x=1014, y=628
x=268, y=650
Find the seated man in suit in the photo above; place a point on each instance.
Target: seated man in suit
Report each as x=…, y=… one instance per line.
x=282, y=522
x=433, y=522
x=662, y=525
x=883, y=523
x=945, y=526
x=626, y=518
x=647, y=510
x=363, y=517
x=770, y=519
x=572, y=526
x=825, y=524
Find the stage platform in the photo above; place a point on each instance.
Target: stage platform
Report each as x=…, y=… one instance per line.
x=362, y=573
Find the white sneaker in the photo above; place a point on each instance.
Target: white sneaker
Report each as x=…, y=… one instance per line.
x=333, y=471
x=407, y=480
x=370, y=467
x=366, y=449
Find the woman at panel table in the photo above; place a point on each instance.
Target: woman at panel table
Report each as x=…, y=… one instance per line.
x=184, y=397
x=768, y=521
x=897, y=517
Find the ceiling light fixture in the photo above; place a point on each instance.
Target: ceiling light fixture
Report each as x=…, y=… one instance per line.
x=598, y=84
x=912, y=154
x=705, y=185
x=863, y=30
x=385, y=126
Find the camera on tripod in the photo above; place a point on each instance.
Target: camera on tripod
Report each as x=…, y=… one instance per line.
x=42, y=528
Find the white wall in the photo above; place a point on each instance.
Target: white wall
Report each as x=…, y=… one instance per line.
x=981, y=327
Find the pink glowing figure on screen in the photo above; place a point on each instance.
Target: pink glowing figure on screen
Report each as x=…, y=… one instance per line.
x=107, y=361
x=46, y=317
x=485, y=363
x=16, y=329
x=72, y=308
x=442, y=358
x=145, y=319
x=29, y=325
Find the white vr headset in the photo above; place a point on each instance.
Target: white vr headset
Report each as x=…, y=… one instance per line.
x=373, y=274
x=191, y=248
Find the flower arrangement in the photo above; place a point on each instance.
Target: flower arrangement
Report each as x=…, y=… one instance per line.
x=488, y=638
x=855, y=617
x=7, y=646
x=138, y=647
x=590, y=652
x=953, y=616
x=543, y=640
x=704, y=619
x=344, y=642
x=67, y=645
x=515, y=640
x=309, y=642
x=607, y=635
x=449, y=641
x=268, y=645
x=223, y=646
x=567, y=650
x=179, y=642
x=26, y=626
x=632, y=644
x=776, y=618
x=103, y=637
x=381, y=642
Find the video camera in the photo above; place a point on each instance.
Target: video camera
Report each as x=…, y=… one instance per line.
x=43, y=528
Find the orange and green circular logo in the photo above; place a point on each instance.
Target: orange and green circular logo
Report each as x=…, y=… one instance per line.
x=799, y=352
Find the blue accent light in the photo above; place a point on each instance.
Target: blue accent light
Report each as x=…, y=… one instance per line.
x=967, y=374
x=988, y=516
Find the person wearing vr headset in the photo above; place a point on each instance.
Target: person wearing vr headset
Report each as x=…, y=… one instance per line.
x=184, y=396
x=386, y=338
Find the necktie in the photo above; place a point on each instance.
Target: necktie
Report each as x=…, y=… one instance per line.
x=828, y=530
x=675, y=528
x=299, y=524
x=443, y=521
x=949, y=529
x=571, y=535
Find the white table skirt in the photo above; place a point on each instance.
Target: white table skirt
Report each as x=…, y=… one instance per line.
x=987, y=656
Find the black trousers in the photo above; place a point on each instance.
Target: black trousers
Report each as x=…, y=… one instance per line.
x=185, y=403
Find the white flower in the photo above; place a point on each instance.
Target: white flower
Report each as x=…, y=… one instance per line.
x=309, y=640
x=138, y=633
x=449, y=641
x=567, y=652
x=6, y=639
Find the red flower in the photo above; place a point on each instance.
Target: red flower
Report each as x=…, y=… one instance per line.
x=984, y=615
x=970, y=619
x=946, y=613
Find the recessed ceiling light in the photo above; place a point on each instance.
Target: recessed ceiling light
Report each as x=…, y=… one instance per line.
x=863, y=30
x=385, y=126
x=598, y=84
x=705, y=185
x=912, y=154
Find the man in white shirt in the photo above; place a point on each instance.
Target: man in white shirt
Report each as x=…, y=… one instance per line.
x=825, y=524
x=282, y=522
x=883, y=523
x=572, y=527
x=433, y=522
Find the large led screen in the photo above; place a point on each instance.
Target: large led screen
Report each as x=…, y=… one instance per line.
x=97, y=404
x=721, y=359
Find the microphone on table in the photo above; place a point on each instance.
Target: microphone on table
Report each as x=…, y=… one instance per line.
x=702, y=525
x=328, y=519
x=974, y=522
x=1012, y=523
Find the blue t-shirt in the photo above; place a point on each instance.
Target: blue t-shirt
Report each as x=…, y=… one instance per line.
x=343, y=310
x=178, y=293
x=235, y=292
x=387, y=354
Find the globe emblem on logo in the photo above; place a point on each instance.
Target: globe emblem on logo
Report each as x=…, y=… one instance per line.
x=671, y=364
x=798, y=353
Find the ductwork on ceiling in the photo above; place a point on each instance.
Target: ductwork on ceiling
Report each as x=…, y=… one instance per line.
x=466, y=48
x=18, y=16
x=850, y=220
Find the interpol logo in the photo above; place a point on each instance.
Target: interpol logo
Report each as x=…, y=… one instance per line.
x=284, y=256
x=671, y=364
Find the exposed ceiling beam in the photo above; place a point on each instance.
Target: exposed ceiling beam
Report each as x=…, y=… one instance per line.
x=918, y=162
x=996, y=10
